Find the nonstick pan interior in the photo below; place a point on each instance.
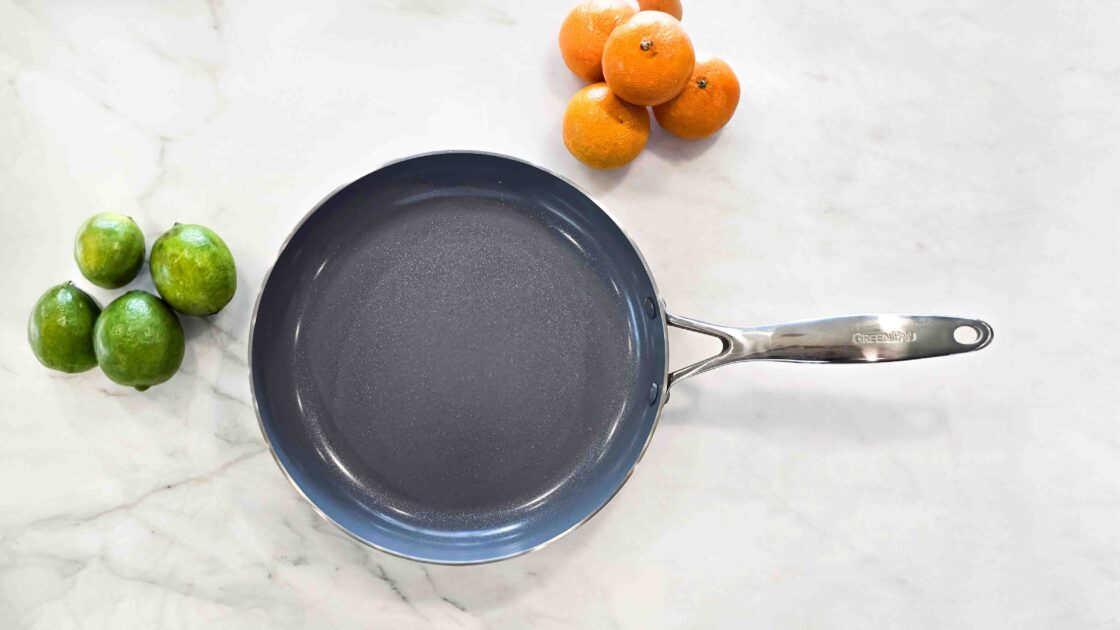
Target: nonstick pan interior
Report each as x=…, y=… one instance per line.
x=458, y=357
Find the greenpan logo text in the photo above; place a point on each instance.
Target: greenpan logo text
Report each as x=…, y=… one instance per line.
x=894, y=336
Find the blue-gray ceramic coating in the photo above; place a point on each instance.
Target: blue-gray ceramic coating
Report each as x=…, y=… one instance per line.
x=458, y=357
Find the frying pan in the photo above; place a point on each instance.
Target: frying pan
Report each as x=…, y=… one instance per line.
x=461, y=357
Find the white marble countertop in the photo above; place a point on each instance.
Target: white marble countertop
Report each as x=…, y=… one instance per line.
x=943, y=157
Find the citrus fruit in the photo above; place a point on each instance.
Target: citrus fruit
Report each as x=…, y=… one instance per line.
x=647, y=60
x=138, y=340
x=706, y=104
x=603, y=131
x=584, y=32
x=193, y=270
x=672, y=7
x=60, y=329
x=109, y=250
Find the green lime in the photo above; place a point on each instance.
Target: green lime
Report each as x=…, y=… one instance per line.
x=138, y=340
x=193, y=270
x=60, y=329
x=109, y=250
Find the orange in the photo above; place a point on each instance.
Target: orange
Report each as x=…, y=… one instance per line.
x=706, y=104
x=672, y=7
x=584, y=32
x=647, y=60
x=602, y=130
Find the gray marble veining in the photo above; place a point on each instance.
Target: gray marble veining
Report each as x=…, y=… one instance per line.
x=918, y=157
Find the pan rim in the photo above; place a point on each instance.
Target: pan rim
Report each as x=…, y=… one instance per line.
x=662, y=391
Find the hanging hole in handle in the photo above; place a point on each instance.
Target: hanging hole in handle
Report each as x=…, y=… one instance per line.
x=966, y=335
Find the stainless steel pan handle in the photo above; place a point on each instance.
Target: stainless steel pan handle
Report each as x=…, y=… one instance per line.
x=852, y=339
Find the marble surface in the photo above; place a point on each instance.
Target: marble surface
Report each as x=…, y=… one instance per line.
x=944, y=157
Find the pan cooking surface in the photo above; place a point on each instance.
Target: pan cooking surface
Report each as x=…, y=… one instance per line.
x=460, y=372
x=452, y=359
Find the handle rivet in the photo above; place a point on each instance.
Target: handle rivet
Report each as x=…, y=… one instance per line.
x=651, y=307
x=653, y=389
